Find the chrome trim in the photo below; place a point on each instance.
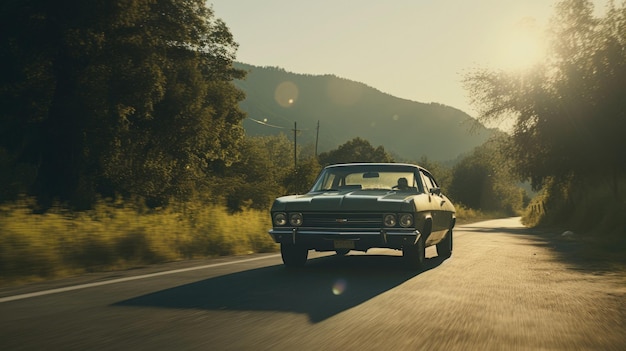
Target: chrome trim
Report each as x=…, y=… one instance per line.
x=384, y=232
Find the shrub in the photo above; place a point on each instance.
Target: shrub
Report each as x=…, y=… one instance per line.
x=116, y=234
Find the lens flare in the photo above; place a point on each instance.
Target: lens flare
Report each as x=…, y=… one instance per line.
x=339, y=287
x=286, y=93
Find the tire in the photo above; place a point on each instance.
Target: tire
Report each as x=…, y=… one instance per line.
x=444, y=247
x=293, y=255
x=415, y=254
x=342, y=252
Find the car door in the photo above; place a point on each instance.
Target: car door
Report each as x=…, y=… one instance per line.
x=441, y=217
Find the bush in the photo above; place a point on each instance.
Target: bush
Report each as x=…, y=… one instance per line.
x=580, y=206
x=118, y=235
x=465, y=215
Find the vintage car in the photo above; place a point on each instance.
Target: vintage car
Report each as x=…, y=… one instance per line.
x=359, y=206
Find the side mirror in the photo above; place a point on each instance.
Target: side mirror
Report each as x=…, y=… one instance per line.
x=435, y=191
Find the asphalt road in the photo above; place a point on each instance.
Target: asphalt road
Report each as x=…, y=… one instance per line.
x=505, y=288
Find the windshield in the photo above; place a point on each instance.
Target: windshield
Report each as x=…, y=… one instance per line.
x=400, y=178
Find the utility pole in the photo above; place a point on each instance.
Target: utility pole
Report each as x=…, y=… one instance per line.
x=295, y=146
x=317, y=136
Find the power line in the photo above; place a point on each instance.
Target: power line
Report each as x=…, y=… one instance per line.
x=272, y=125
x=265, y=123
x=295, y=136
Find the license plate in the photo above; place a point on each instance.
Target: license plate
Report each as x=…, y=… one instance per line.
x=344, y=244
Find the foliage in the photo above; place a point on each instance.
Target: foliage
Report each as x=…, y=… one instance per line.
x=301, y=180
x=355, y=150
x=571, y=203
x=483, y=180
x=118, y=234
x=569, y=111
x=574, y=96
x=257, y=177
x=128, y=97
x=264, y=171
x=466, y=215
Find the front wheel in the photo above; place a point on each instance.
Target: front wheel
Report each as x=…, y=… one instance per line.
x=444, y=247
x=415, y=254
x=293, y=255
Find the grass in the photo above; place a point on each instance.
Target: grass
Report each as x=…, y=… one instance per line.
x=116, y=235
x=467, y=215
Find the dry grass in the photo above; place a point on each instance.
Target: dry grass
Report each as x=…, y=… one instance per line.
x=116, y=235
x=465, y=215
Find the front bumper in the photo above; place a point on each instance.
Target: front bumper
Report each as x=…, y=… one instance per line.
x=323, y=239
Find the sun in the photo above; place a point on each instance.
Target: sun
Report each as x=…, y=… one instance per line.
x=521, y=47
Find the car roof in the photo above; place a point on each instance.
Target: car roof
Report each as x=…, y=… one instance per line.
x=374, y=164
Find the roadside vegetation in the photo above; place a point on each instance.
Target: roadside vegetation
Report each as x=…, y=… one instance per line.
x=117, y=235
x=565, y=210
x=568, y=121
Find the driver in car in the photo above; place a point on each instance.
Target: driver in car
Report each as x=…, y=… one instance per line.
x=403, y=184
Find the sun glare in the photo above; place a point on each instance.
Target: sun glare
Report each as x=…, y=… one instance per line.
x=286, y=93
x=522, y=46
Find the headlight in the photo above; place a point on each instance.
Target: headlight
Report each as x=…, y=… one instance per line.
x=280, y=219
x=406, y=220
x=390, y=220
x=295, y=219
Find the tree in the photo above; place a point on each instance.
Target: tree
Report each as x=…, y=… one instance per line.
x=355, y=150
x=130, y=97
x=569, y=111
x=300, y=180
x=257, y=177
x=483, y=179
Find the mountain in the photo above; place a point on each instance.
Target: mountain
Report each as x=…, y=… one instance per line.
x=345, y=109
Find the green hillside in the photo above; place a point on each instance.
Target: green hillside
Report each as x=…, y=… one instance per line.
x=346, y=109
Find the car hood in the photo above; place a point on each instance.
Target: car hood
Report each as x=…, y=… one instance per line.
x=360, y=200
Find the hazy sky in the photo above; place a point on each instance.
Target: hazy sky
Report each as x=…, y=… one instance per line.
x=412, y=49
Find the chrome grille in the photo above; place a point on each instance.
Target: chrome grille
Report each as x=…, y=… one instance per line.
x=342, y=220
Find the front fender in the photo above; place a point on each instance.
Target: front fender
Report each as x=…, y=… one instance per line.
x=424, y=223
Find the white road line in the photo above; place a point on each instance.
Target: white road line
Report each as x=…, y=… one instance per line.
x=120, y=280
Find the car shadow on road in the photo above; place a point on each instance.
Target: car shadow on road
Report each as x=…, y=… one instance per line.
x=323, y=288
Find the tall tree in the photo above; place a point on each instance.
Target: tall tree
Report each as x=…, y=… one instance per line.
x=117, y=96
x=569, y=111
